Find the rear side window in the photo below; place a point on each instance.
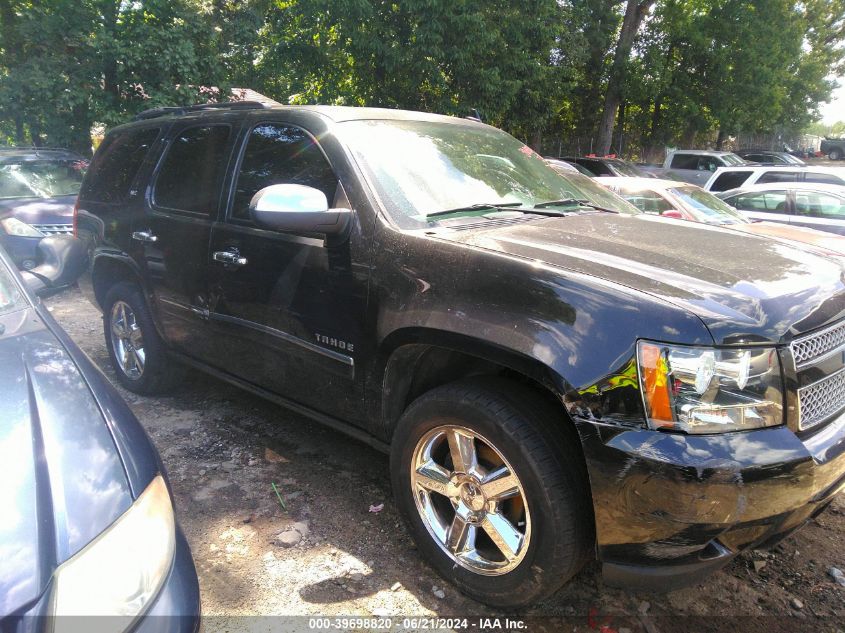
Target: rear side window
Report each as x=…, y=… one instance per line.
x=814, y=176
x=684, y=161
x=646, y=200
x=819, y=205
x=596, y=167
x=190, y=176
x=768, y=201
x=778, y=176
x=730, y=180
x=279, y=154
x=116, y=164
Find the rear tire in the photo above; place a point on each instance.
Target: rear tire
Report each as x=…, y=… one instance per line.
x=543, y=515
x=835, y=154
x=136, y=351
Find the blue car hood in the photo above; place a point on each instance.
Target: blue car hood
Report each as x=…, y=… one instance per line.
x=39, y=210
x=64, y=482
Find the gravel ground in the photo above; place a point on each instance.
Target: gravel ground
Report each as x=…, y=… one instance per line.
x=325, y=553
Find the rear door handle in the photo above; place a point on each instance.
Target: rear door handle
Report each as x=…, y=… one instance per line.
x=144, y=236
x=229, y=257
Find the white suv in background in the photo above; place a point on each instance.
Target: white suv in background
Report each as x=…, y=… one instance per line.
x=814, y=205
x=726, y=178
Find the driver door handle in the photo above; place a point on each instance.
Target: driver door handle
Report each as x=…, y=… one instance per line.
x=229, y=257
x=144, y=236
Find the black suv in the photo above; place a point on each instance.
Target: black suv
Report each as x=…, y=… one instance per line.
x=554, y=375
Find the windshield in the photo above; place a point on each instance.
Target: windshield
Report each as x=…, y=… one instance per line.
x=706, y=207
x=733, y=159
x=11, y=298
x=422, y=167
x=41, y=178
x=627, y=169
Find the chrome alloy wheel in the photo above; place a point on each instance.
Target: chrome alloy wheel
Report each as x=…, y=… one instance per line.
x=127, y=340
x=470, y=500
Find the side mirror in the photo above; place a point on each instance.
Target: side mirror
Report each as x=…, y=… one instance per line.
x=62, y=259
x=672, y=213
x=297, y=209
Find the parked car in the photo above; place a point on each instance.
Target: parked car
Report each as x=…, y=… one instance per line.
x=693, y=165
x=605, y=166
x=568, y=166
x=833, y=148
x=768, y=157
x=685, y=201
x=553, y=378
x=88, y=524
x=38, y=190
x=735, y=177
x=817, y=206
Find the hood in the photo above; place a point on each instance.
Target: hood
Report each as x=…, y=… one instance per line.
x=39, y=210
x=744, y=288
x=64, y=482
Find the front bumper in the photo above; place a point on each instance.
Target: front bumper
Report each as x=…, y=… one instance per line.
x=672, y=508
x=21, y=249
x=176, y=608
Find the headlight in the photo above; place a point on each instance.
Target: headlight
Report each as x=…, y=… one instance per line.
x=120, y=571
x=15, y=227
x=709, y=390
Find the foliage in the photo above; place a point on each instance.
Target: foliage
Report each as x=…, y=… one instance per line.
x=683, y=72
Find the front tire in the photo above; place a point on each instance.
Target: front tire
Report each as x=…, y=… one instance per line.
x=493, y=490
x=835, y=154
x=136, y=351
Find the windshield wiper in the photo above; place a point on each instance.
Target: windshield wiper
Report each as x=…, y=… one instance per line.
x=475, y=207
x=566, y=202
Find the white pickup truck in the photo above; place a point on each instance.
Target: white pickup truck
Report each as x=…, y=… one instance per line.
x=694, y=165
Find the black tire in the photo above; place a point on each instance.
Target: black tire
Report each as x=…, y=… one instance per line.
x=544, y=452
x=160, y=372
x=835, y=154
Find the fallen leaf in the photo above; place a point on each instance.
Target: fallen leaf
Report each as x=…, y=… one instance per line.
x=273, y=457
x=376, y=509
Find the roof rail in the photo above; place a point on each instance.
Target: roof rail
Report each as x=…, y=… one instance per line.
x=37, y=149
x=226, y=105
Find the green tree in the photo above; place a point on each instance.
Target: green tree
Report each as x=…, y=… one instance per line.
x=70, y=63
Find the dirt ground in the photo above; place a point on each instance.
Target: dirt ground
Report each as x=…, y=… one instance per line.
x=224, y=449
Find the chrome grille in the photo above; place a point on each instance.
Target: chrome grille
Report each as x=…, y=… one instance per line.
x=819, y=401
x=811, y=348
x=55, y=229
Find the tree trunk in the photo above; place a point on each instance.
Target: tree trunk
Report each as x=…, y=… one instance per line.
x=720, y=140
x=634, y=13
x=111, y=85
x=656, y=139
x=620, y=129
x=20, y=132
x=537, y=141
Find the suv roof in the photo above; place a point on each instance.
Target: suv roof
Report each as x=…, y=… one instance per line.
x=700, y=152
x=334, y=113
x=822, y=187
x=755, y=172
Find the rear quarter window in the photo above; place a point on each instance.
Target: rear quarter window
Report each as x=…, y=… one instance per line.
x=778, y=176
x=831, y=179
x=730, y=180
x=116, y=164
x=684, y=161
